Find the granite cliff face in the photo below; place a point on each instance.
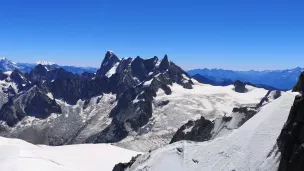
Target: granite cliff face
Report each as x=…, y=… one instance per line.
x=291, y=140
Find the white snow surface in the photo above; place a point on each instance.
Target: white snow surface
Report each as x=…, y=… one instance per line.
x=18, y=155
x=148, y=83
x=112, y=70
x=211, y=102
x=45, y=63
x=251, y=147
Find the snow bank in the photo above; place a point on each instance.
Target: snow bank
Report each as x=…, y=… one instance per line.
x=112, y=70
x=18, y=155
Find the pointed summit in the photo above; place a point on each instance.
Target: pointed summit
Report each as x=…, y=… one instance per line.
x=109, y=57
x=18, y=77
x=164, y=64
x=108, y=62
x=299, y=87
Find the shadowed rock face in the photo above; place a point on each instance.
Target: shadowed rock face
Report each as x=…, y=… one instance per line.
x=2, y=76
x=38, y=74
x=124, y=166
x=164, y=64
x=299, y=87
x=31, y=103
x=240, y=87
x=291, y=139
x=199, y=131
x=109, y=61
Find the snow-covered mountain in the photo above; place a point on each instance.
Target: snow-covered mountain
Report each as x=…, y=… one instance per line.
x=280, y=79
x=135, y=103
x=18, y=155
x=251, y=147
x=8, y=65
x=272, y=140
x=148, y=105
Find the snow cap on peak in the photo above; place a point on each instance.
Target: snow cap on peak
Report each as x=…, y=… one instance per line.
x=3, y=58
x=45, y=63
x=110, y=53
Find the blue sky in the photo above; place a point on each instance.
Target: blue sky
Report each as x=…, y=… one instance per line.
x=234, y=34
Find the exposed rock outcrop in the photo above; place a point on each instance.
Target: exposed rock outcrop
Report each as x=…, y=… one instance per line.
x=109, y=61
x=199, y=131
x=125, y=166
x=240, y=87
x=299, y=87
x=291, y=139
x=31, y=103
x=203, y=130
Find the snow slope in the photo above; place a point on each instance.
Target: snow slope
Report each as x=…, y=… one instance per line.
x=18, y=155
x=211, y=102
x=251, y=147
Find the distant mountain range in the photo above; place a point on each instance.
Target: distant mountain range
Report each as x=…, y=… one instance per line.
x=8, y=65
x=280, y=79
x=268, y=79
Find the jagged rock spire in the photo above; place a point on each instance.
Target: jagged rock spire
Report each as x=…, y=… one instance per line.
x=164, y=64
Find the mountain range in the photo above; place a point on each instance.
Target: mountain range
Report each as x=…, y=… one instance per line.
x=153, y=107
x=278, y=79
x=268, y=79
x=8, y=65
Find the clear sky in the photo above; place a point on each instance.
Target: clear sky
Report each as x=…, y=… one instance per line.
x=230, y=34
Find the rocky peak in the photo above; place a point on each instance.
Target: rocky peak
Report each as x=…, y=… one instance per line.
x=7, y=65
x=139, y=69
x=37, y=73
x=18, y=77
x=299, y=87
x=31, y=103
x=164, y=64
x=108, y=62
x=150, y=63
x=40, y=69
x=240, y=87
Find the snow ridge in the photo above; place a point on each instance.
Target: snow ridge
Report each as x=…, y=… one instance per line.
x=251, y=147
